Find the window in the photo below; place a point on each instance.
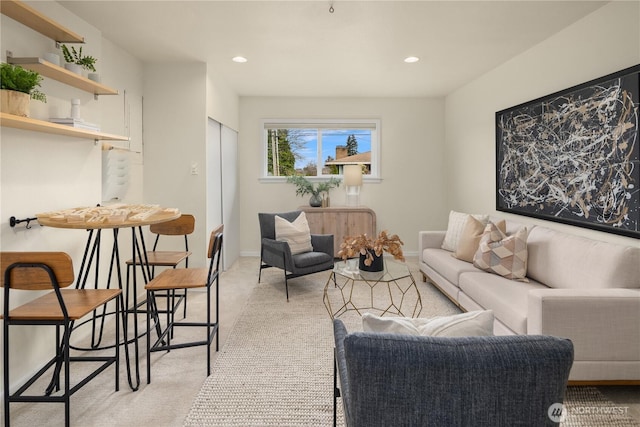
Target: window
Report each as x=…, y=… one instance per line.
x=320, y=148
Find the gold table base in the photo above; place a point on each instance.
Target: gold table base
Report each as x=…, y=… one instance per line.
x=392, y=291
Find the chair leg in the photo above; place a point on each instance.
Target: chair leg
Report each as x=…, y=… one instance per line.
x=171, y=307
x=67, y=381
x=218, y=313
x=149, y=296
x=5, y=363
x=184, y=309
x=208, y=330
x=286, y=285
x=117, y=343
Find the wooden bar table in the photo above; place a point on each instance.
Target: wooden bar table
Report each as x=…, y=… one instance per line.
x=114, y=217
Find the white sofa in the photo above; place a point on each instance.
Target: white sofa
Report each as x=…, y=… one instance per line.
x=581, y=289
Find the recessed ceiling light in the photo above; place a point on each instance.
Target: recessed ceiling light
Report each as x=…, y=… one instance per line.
x=239, y=59
x=411, y=59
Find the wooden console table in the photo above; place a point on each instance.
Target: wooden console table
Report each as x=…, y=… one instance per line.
x=341, y=221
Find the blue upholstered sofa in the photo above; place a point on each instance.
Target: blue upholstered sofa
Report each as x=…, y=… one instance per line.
x=402, y=380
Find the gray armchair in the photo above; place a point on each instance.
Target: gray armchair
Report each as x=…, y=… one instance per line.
x=274, y=253
x=402, y=380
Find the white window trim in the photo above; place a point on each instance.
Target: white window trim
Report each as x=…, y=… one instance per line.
x=375, y=175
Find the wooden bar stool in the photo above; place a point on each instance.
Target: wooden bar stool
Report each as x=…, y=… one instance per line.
x=187, y=278
x=180, y=227
x=39, y=271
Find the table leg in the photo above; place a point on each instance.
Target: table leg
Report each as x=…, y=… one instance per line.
x=134, y=249
x=139, y=258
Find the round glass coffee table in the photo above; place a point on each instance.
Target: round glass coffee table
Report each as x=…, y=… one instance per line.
x=392, y=291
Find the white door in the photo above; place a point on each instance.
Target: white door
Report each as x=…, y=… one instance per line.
x=230, y=197
x=222, y=188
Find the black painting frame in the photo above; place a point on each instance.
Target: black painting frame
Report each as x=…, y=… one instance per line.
x=574, y=156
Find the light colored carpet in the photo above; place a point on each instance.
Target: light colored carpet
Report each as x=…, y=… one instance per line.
x=586, y=406
x=276, y=368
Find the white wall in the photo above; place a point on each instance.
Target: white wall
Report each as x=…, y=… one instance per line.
x=605, y=41
x=222, y=102
x=41, y=172
x=409, y=198
x=175, y=128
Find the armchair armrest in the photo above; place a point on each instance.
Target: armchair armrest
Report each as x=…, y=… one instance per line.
x=603, y=324
x=322, y=243
x=429, y=239
x=277, y=254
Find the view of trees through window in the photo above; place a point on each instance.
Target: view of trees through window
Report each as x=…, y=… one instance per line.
x=316, y=151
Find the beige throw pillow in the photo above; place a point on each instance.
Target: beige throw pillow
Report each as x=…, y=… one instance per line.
x=457, y=221
x=296, y=233
x=501, y=254
x=472, y=323
x=470, y=238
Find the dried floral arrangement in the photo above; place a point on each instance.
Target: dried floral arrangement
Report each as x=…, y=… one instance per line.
x=364, y=245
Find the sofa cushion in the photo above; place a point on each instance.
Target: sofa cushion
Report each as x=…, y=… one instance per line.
x=507, y=299
x=501, y=254
x=473, y=323
x=470, y=238
x=447, y=266
x=457, y=221
x=295, y=233
x=561, y=260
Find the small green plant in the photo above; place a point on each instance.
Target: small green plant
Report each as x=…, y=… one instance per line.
x=304, y=186
x=75, y=57
x=13, y=77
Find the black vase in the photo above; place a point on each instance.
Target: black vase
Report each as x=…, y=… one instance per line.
x=376, y=265
x=315, y=201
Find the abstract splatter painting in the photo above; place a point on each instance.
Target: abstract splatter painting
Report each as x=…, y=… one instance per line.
x=574, y=156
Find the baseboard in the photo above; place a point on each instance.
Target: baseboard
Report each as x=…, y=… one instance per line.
x=254, y=254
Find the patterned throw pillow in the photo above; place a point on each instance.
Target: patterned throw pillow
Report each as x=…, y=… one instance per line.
x=296, y=233
x=457, y=220
x=502, y=254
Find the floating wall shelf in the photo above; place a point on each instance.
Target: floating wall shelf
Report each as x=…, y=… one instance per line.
x=35, y=20
x=62, y=75
x=30, y=17
x=27, y=123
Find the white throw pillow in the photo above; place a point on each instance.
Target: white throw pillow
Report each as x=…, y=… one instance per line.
x=457, y=221
x=295, y=233
x=472, y=323
x=470, y=238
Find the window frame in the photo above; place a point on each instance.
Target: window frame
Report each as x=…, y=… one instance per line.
x=374, y=124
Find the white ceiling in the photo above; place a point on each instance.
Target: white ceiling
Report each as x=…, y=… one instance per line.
x=299, y=48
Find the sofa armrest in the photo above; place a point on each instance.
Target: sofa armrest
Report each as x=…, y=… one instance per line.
x=429, y=239
x=603, y=324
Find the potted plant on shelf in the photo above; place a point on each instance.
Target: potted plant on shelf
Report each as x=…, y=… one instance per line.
x=18, y=86
x=371, y=250
x=304, y=186
x=76, y=62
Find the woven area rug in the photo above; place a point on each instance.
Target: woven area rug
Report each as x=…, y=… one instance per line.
x=586, y=406
x=276, y=367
